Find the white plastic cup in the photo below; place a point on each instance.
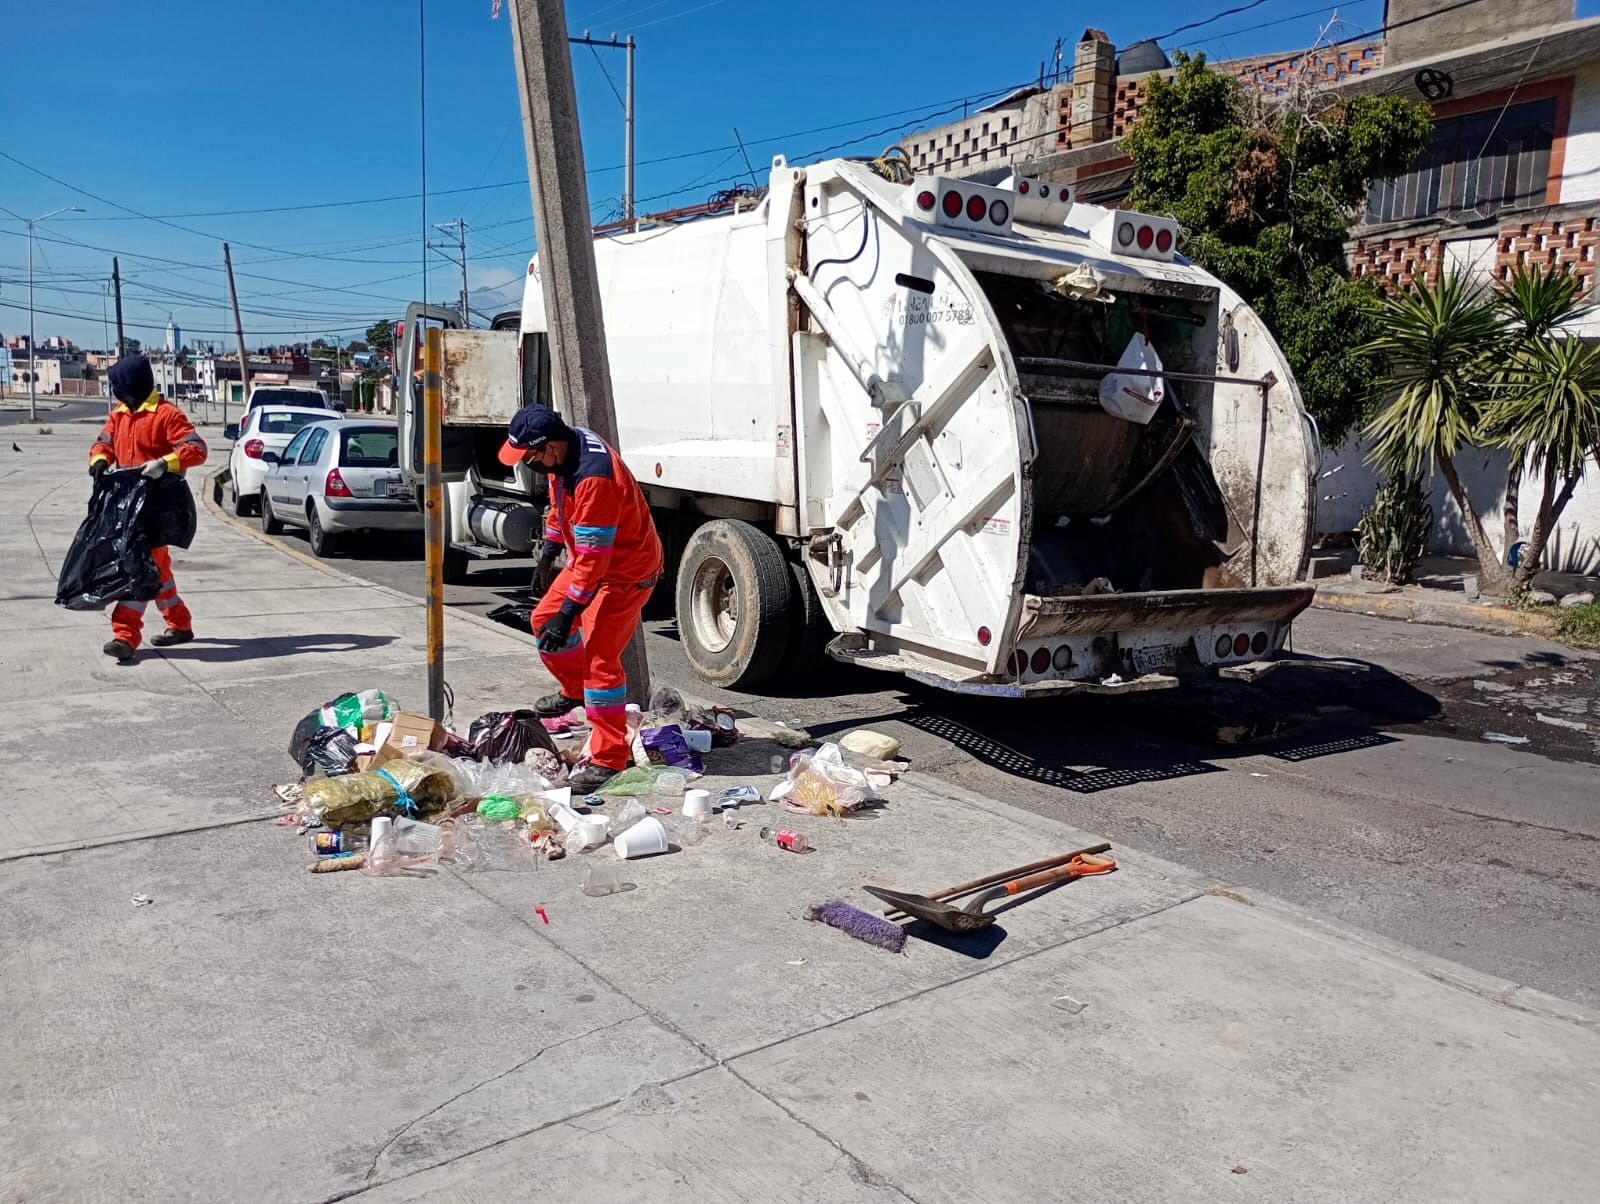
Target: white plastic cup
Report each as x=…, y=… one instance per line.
x=645, y=839
x=696, y=802
x=698, y=740
x=380, y=828
x=588, y=834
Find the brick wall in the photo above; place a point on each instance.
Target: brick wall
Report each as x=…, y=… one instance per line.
x=1572, y=243
x=1398, y=262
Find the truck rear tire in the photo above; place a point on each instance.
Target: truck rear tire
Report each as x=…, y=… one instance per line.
x=808, y=633
x=733, y=602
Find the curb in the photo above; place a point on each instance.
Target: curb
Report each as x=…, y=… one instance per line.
x=1496, y=620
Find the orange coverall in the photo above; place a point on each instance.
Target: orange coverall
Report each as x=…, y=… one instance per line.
x=153, y=430
x=598, y=511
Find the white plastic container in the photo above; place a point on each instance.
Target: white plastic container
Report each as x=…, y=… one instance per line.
x=645, y=839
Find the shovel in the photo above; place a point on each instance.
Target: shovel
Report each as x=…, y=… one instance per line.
x=971, y=917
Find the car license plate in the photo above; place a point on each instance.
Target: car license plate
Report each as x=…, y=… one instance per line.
x=398, y=489
x=1154, y=658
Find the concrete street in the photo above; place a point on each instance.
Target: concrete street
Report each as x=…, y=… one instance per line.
x=1176, y=1030
x=1360, y=786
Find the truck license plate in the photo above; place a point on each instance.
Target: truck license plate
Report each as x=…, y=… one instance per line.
x=1154, y=658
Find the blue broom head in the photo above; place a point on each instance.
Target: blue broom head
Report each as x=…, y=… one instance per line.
x=864, y=926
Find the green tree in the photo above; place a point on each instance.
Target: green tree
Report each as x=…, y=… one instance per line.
x=1266, y=193
x=380, y=335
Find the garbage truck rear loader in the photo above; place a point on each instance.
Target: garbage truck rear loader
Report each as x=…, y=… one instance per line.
x=869, y=412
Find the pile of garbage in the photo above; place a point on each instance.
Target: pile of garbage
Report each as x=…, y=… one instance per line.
x=389, y=793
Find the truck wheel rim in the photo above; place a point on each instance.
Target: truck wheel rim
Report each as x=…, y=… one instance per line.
x=714, y=605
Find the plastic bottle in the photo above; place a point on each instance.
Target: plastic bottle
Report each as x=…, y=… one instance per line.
x=785, y=838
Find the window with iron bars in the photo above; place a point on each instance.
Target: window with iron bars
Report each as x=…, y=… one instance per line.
x=1478, y=162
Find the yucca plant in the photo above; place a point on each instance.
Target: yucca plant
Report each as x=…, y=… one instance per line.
x=1532, y=305
x=1546, y=411
x=1441, y=343
x=1394, y=529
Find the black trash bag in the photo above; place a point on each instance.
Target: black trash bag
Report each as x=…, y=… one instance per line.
x=309, y=729
x=332, y=750
x=129, y=514
x=504, y=737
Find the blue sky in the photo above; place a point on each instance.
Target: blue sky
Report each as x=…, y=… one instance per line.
x=185, y=108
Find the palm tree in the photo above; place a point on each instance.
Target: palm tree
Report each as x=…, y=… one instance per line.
x=1546, y=410
x=1440, y=343
x=1532, y=305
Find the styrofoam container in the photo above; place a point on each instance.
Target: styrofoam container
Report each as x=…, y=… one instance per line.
x=643, y=839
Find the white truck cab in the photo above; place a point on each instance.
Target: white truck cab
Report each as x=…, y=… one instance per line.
x=868, y=411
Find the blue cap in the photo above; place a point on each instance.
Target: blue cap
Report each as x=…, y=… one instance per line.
x=532, y=427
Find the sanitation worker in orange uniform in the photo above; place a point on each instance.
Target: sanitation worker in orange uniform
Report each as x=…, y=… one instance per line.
x=588, y=614
x=146, y=431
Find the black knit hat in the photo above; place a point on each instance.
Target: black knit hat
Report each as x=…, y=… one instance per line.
x=131, y=380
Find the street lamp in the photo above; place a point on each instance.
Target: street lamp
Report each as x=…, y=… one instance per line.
x=31, y=222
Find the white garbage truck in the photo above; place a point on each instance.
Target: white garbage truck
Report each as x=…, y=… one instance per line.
x=879, y=415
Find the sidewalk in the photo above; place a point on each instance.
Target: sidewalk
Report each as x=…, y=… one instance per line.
x=259, y=1032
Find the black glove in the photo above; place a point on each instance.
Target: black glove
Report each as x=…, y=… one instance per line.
x=98, y=467
x=553, y=635
x=544, y=573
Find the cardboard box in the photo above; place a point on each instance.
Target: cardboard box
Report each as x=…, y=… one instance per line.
x=407, y=733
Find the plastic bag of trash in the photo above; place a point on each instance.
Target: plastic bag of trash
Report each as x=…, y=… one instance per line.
x=1134, y=396
x=109, y=559
x=351, y=712
x=820, y=783
x=636, y=781
x=331, y=751
x=502, y=736
x=485, y=778
x=401, y=787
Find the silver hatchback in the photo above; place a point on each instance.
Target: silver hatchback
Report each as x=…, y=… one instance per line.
x=338, y=477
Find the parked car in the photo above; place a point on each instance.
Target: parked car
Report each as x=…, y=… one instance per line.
x=267, y=429
x=289, y=395
x=337, y=477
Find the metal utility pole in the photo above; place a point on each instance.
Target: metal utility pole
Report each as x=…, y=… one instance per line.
x=580, y=369
x=33, y=373
x=105, y=322
x=238, y=330
x=459, y=229
x=627, y=112
x=116, y=287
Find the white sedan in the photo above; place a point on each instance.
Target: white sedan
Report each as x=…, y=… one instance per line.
x=265, y=429
x=336, y=477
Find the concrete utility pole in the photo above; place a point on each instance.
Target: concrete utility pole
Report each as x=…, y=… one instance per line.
x=627, y=113
x=580, y=369
x=238, y=330
x=116, y=288
x=459, y=229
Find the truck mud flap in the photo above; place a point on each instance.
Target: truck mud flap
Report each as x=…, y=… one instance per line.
x=1168, y=610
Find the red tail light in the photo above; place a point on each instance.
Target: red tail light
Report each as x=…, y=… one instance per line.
x=952, y=203
x=253, y=448
x=984, y=636
x=976, y=208
x=1018, y=662
x=1241, y=644
x=335, y=486
x=1259, y=644
x=1146, y=237
x=1163, y=241
x=1041, y=660
x=925, y=199
x=1022, y=187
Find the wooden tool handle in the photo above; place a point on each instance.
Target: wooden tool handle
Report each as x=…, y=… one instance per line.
x=977, y=884
x=1078, y=867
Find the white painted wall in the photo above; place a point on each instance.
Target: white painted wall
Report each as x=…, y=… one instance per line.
x=1580, y=175
x=1347, y=483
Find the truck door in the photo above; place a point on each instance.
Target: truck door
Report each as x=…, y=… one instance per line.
x=408, y=383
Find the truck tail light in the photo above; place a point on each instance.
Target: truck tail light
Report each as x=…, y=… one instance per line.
x=1125, y=234
x=1241, y=644
x=1147, y=236
x=976, y=208
x=1259, y=644
x=1017, y=663
x=925, y=200
x=984, y=636
x=1224, y=645
x=1137, y=234
x=253, y=448
x=1163, y=241
x=998, y=212
x=952, y=203
x=1062, y=660
x=334, y=486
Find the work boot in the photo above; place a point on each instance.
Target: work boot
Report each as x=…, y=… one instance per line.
x=590, y=778
x=172, y=636
x=120, y=649
x=555, y=704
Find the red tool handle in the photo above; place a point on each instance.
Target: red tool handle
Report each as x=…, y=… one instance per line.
x=1079, y=867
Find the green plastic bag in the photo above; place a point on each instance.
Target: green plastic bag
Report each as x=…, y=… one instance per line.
x=499, y=806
